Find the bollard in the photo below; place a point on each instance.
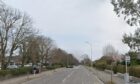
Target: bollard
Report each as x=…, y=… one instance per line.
x=34, y=72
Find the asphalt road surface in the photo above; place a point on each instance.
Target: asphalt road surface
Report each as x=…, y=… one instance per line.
x=76, y=75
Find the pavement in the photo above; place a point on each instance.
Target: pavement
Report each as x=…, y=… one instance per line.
x=105, y=77
x=76, y=75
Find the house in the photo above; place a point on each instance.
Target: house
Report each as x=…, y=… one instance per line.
x=15, y=59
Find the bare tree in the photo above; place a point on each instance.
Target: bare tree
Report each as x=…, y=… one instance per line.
x=110, y=54
x=7, y=21
x=109, y=50
x=62, y=58
x=20, y=33
x=45, y=45
x=26, y=48
x=86, y=60
x=14, y=28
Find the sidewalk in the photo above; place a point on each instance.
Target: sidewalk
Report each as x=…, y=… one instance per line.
x=105, y=77
x=23, y=79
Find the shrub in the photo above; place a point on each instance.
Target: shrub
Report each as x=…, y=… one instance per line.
x=15, y=72
x=134, y=71
x=108, y=67
x=121, y=68
x=20, y=71
x=115, y=69
x=101, y=65
x=54, y=66
x=3, y=73
x=50, y=67
x=57, y=65
x=24, y=70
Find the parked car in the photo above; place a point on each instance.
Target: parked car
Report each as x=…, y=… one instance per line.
x=35, y=69
x=12, y=66
x=69, y=66
x=28, y=65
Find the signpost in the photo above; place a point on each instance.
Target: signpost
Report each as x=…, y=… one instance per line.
x=127, y=60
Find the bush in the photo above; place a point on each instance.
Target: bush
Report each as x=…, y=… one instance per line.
x=3, y=73
x=108, y=67
x=54, y=66
x=115, y=69
x=57, y=65
x=134, y=71
x=20, y=71
x=101, y=65
x=50, y=67
x=121, y=68
x=15, y=72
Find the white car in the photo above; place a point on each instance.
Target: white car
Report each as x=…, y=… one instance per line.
x=12, y=67
x=28, y=65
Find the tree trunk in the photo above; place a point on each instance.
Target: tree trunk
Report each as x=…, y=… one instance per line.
x=3, y=66
x=10, y=56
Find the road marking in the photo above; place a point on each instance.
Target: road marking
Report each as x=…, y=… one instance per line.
x=82, y=82
x=86, y=71
x=88, y=74
x=98, y=79
x=64, y=80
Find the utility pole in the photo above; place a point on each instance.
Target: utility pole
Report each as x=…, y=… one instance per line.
x=67, y=61
x=90, y=51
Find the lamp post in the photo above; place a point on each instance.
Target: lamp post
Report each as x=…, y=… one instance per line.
x=90, y=51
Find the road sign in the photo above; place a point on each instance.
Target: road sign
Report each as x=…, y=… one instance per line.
x=127, y=58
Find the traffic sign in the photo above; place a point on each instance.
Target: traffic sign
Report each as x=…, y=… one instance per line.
x=127, y=58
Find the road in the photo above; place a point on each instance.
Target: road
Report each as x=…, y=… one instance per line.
x=76, y=75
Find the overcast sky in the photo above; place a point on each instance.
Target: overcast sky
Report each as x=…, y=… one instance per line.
x=73, y=22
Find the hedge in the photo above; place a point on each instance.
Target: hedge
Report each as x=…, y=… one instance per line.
x=120, y=68
x=133, y=70
x=20, y=71
x=54, y=66
x=101, y=65
x=3, y=73
x=15, y=72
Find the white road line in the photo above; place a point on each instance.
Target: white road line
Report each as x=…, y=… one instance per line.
x=88, y=74
x=82, y=82
x=64, y=80
x=98, y=79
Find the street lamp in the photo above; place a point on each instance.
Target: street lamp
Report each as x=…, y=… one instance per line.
x=90, y=51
